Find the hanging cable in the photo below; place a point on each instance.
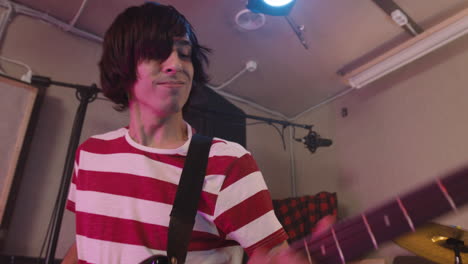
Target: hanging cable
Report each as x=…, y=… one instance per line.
x=21, y=9
x=25, y=77
x=4, y=22
x=77, y=15
x=6, y=17
x=219, y=87
x=292, y=166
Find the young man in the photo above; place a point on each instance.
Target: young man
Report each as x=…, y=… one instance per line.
x=125, y=181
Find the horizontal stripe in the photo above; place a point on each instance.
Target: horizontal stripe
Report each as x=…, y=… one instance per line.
x=98, y=251
x=181, y=150
x=112, y=134
x=262, y=226
x=145, y=167
x=216, y=164
x=270, y=242
x=73, y=179
x=219, y=165
x=136, y=233
x=70, y=206
x=75, y=168
x=119, y=145
x=243, y=166
x=145, y=188
x=239, y=191
x=130, y=164
x=212, y=184
x=250, y=209
x=72, y=192
x=120, y=137
x=133, y=209
x=227, y=148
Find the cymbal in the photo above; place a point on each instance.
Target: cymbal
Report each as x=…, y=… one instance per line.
x=435, y=242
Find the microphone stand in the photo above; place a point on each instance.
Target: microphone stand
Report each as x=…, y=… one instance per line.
x=260, y=118
x=85, y=94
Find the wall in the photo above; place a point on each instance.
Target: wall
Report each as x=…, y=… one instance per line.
x=402, y=131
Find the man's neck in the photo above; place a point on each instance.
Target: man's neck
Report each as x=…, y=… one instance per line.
x=157, y=131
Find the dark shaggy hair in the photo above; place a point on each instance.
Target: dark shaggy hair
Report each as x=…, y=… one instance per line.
x=142, y=33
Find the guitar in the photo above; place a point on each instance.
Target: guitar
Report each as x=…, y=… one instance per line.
x=350, y=239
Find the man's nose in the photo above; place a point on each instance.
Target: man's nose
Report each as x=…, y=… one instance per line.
x=173, y=64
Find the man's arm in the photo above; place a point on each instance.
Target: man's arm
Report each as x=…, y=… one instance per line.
x=277, y=255
x=71, y=257
x=281, y=254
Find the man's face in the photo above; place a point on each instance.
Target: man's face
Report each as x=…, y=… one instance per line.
x=163, y=87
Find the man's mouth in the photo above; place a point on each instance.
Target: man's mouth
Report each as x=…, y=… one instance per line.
x=171, y=83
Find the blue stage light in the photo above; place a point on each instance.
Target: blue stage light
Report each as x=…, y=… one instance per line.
x=271, y=7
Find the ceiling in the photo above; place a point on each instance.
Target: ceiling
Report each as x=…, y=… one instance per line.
x=289, y=78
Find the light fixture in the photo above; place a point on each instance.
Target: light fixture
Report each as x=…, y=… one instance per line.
x=422, y=44
x=271, y=7
x=277, y=3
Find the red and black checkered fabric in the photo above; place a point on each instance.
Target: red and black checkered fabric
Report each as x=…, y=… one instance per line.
x=299, y=215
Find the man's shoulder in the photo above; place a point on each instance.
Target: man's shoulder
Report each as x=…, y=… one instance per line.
x=105, y=138
x=222, y=147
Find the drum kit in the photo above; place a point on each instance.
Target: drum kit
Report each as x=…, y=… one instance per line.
x=437, y=243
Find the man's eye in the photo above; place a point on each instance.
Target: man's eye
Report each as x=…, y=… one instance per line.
x=185, y=53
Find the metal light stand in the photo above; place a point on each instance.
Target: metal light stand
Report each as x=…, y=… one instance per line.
x=86, y=94
x=299, y=30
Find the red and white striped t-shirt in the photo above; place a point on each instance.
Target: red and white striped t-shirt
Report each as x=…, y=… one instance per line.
x=122, y=194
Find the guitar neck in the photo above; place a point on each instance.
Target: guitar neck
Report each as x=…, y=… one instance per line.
x=350, y=239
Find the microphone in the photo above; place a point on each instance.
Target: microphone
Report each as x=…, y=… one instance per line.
x=313, y=141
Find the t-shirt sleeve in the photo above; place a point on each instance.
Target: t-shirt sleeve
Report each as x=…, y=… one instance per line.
x=244, y=209
x=70, y=205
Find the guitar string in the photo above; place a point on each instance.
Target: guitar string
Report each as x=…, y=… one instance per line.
x=447, y=195
x=307, y=250
x=327, y=241
x=338, y=246
x=371, y=234
x=405, y=213
x=326, y=237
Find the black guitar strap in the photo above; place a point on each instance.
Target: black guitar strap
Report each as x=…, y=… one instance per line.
x=187, y=198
